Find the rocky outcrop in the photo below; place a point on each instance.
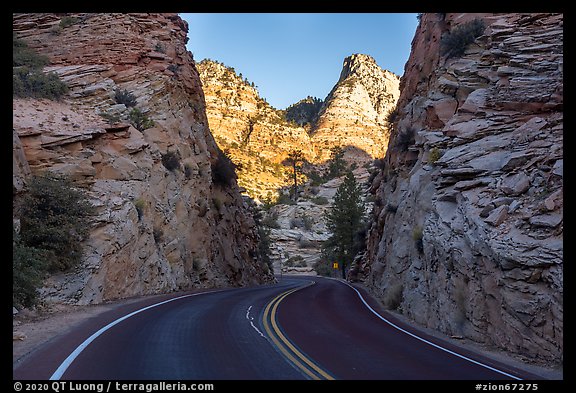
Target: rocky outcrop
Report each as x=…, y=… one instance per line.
x=260, y=137
x=356, y=111
x=467, y=229
x=157, y=230
x=256, y=135
x=305, y=111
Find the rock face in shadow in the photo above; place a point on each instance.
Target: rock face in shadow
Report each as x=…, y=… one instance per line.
x=467, y=229
x=157, y=229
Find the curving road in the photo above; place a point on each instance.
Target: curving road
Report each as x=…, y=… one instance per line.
x=300, y=328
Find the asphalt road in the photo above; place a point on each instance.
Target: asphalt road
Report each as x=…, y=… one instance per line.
x=300, y=328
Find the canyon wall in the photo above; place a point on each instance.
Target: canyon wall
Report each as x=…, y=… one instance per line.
x=156, y=229
x=467, y=232
x=259, y=137
x=255, y=135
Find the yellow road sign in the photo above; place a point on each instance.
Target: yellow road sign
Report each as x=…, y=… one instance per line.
x=335, y=265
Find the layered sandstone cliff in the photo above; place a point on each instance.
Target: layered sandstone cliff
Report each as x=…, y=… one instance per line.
x=256, y=135
x=467, y=229
x=259, y=137
x=156, y=230
x=356, y=111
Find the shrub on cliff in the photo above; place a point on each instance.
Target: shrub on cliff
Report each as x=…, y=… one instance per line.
x=171, y=160
x=125, y=97
x=417, y=236
x=36, y=84
x=405, y=139
x=223, y=170
x=55, y=217
x=28, y=79
x=67, y=21
x=28, y=271
x=457, y=40
x=139, y=120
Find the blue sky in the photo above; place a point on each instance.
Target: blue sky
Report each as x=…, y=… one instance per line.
x=292, y=55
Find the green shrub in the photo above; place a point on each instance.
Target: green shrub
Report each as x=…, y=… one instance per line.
x=125, y=97
x=111, y=117
x=28, y=271
x=174, y=68
x=28, y=80
x=264, y=246
x=139, y=120
x=308, y=222
x=56, y=30
x=67, y=21
x=295, y=261
x=160, y=47
x=315, y=178
x=36, y=84
x=171, y=160
x=320, y=200
x=323, y=268
x=455, y=42
x=393, y=296
x=271, y=220
x=22, y=55
x=140, y=204
x=284, y=199
x=218, y=204
x=306, y=243
x=434, y=155
x=54, y=217
x=392, y=115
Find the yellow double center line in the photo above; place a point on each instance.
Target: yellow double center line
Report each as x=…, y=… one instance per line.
x=296, y=357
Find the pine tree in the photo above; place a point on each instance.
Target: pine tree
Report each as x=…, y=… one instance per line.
x=345, y=220
x=337, y=165
x=295, y=159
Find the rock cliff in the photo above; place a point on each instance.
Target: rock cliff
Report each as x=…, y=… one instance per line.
x=157, y=229
x=355, y=113
x=305, y=111
x=259, y=137
x=255, y=134
x=467, y=227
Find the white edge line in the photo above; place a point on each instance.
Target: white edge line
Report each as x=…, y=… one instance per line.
x=250, y=319
x=422, y=339
x=68, y=361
